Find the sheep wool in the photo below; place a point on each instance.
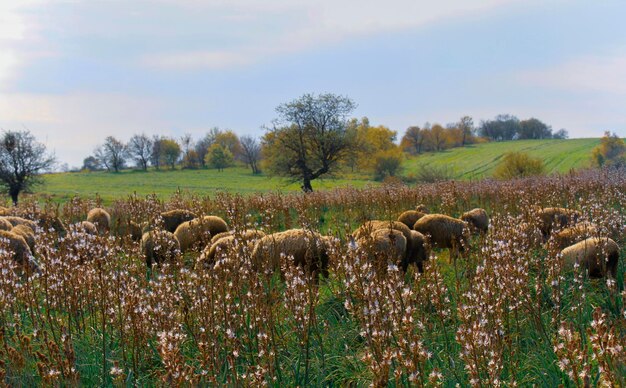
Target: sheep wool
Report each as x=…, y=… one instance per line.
x=158, y=246
x=16, y=244
x=552, y=217
x=599, y=256
x=443, y=231
x=100, y=218
x=227, y=242
x=5, y=224
x=573, y=234
x=477, y=219
x=14, y=220
x=410, y=217
x=198, y=231
x=86, y=227
x=27, y=234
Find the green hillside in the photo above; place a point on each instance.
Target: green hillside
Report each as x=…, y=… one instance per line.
x=472, y=162
x=479, y=161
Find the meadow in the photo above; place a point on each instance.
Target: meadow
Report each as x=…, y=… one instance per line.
x=508, y=312
x=468, y=163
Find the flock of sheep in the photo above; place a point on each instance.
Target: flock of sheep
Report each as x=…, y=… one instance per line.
x=406, y=241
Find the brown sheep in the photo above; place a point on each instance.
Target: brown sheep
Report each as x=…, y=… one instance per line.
x=191, y=234
x=86, y=227
x=573, y=234
x=418, y=251
x=173, y=218
x=227, y=242
x=27, y=234
x=220, y=235
x=422, y=208
x=100, y=218
x=410, y=217
x=4, y=211
x=477, y=219
x=444, y=232
x=5, y=224
x=385, y=243
x=16, y=244
x=413, y=250
x=158, y=246
x=129, y=228
x=21, y=221
x=50, y=221
x=599, y=256
x=309, y=250
x=552, y=217
x=373, y=225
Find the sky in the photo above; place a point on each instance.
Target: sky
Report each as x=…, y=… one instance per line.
x=74, y=72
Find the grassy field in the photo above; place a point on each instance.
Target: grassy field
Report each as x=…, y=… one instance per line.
x=472, y=162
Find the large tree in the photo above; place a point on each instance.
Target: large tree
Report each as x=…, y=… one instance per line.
x=112, y=154
x=22, y=159
x=309, y=138
x=413, y=140
x=140, y=148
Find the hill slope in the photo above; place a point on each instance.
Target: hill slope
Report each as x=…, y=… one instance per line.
x=472, y=162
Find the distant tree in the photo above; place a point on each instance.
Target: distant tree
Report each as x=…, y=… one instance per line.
x=251, y=152
x=112, y=154
x=504, y=127
x=91, y=163
x=229, y=140
x=466, y=128
x=156, y=156
x=22, y=160
x=437, y=138
x=170, y=152
x=533, y=129
x=518, y=165
x=611, y=151
x=413, y=140
x=188, y=152
x=309, y=139
x=219, y=157
x=140, y=148
x=560, y=134
x=387, y=163
x=202, y=145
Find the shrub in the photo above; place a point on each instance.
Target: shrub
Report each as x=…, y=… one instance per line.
x=427, y=173
x=387, y=164
x=518, y=165
x=611, y=152
x=219, y=157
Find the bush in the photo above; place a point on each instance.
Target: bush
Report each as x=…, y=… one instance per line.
x=387, y=164
x=611, y=152
x=518, y=165
x=427, y=173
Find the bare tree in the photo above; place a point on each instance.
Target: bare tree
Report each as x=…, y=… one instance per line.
x=251, y=152
x=112, y=154
x=140, y=148
x=22, y=159
x=156, y=155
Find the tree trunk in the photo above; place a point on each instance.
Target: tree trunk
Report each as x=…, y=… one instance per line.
x=14, y=193
x=306, y=185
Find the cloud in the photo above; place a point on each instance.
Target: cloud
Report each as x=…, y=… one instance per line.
x=299, y=25
x=603, y=73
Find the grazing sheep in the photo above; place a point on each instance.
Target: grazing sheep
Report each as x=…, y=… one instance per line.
x=220, y=235
x=21, y=221
x=16, y=244
x=100, y=218
x=173, y=218
x=477, y=219
x=227, y=242
x=599, y=256
x=86, y=227
x=49, y=221
x=4, y=211
x=27, y=234
x=418, y=251
x=552, y=217
x=158, y=246
x=198, y=231
x=5, y=224
x=422, y=208
x=130, y=229
x=444, y=232
x=410, y=217
x=370, y=226
x=386, y=243
x=573, y=234
x=309, y=250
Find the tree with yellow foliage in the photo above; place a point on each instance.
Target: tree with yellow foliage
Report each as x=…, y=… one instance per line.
x=611, y=152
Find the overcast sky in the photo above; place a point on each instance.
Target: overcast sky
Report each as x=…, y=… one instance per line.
x=74, y=72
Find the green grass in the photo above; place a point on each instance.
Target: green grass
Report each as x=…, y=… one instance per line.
x=479, y=161
x=472, y=162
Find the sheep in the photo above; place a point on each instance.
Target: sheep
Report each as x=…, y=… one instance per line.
x=159, y=246
x=477, y=219
x=413, y=250
x=573, y=234
x=422, y=208
x=21, y=221
x=444, y=232
x=218, y=236
x=418, y=251
x=410, y=217
x=86, y=227
x=27, y=234
x=199, y=230
x=226, y=242
x=16, y=244
x=100, y=218
x=555, y=216
x=5, y=224
x=173, y=218
x=371, y=226
x=130, y=229
x=4, y=211
x=599, y=256
x=309, y=251
x=50, y=221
